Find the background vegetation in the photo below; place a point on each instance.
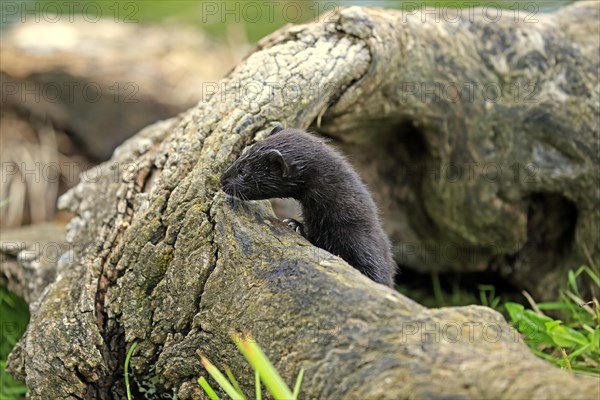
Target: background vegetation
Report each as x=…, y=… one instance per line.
x=239, y=19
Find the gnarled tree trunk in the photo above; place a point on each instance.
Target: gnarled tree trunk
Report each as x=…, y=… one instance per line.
x=162, y=259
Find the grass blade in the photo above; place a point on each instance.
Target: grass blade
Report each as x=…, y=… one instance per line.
x=260, y=363
x=437, y=288
x=257, y=385
x=234, y=382
x=572, y=278
x=589, y=272
x=126, y=368
x=207, y=388
x=221, y=379
x=566, y=359
x=532, y=302
x=298, y=383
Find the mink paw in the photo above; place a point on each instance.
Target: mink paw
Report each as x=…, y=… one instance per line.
x=295, y=225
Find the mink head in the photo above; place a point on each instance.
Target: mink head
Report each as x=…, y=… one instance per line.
x=267, y=170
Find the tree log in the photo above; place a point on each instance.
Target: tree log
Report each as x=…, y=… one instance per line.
x=68, y=81
x=160, y=257
x=29, y=256
x=102, y=81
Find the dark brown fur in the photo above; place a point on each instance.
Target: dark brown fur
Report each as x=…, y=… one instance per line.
x=339, y=213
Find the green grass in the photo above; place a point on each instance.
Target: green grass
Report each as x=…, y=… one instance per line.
x=565, y=332
x=264, y=372
x=254, y=20
x=571, y=342
x=14, y=316
x=487, y=296
x=435, y=290
x=126, y=369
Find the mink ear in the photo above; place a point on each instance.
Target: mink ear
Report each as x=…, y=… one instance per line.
x=278, y=128
x=276, y=158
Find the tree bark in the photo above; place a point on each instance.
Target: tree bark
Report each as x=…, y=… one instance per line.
x=161, y=258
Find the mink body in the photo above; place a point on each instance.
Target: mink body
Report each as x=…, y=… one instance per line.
x=339, y=213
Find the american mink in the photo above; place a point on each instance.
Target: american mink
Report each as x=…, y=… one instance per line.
x=339, y=213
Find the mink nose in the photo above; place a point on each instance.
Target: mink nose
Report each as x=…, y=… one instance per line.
x=224, y=182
